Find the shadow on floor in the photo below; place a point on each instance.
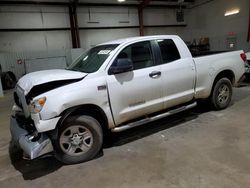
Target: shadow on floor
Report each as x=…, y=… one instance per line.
x=118, y=139
x=35, y=168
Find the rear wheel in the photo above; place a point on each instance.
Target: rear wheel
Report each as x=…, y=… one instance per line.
x=79, y=139
x=222, y=94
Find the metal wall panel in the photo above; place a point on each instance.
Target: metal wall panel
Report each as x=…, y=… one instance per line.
x=32, y=65
x=21, y=63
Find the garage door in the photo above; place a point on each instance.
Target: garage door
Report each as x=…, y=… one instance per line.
x=32, y=65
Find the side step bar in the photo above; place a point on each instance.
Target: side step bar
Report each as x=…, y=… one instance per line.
x=150, y=119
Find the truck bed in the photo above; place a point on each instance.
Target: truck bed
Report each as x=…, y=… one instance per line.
x=204, y=53
x=209, y=64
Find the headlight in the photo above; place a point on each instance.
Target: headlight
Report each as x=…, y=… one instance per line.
x=37, y=105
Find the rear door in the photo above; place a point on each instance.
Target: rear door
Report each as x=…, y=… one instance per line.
x=139, y=92
x=178, y=74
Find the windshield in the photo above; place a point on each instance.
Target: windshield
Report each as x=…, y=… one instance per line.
x=93, y=59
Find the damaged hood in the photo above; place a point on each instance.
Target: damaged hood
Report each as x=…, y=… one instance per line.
x=30, y=80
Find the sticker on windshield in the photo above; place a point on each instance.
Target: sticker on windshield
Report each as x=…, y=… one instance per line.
x=104, y=52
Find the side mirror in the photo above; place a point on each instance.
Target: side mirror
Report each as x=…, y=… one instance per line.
x=122, y=65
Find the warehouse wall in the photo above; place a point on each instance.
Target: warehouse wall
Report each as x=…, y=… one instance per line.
x=208, y=20
x=35, y=17
x=34, y=41
x=106, y=17
x=115, y=17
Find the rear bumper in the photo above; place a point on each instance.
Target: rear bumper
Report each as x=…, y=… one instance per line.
x=247, y=69
x=242, y=78
x=32, y=149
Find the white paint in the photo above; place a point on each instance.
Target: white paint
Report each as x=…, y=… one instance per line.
x=36, y=78
x=131, y=94
x=127, y=88
x=44, y=125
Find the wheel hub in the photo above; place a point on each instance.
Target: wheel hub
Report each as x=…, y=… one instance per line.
x=223, y=94
x=76, y=139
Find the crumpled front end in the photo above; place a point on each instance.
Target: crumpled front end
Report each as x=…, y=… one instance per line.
x=32, y=143
x=29, y=129
x=23, y=129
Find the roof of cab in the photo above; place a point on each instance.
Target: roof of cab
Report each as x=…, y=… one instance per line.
x=139, y=38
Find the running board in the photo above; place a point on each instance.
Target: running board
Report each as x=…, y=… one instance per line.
x=150, y=119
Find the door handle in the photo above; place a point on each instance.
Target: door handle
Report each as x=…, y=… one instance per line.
x=155, y=74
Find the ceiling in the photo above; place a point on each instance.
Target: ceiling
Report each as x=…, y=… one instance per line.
x=99, y=2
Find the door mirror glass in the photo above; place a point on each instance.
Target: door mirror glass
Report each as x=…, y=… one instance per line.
x=122, y=65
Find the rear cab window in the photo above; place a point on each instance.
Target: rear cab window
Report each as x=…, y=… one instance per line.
x=168, y=49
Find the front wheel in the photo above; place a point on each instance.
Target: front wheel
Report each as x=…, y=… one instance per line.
x=79, y=139
x=222, y=94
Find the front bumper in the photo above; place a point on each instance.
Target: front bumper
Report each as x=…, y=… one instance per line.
x=247, y=69
x=44, y=125
x=23, y=139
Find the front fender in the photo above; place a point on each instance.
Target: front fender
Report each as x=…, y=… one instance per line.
x=76, y=94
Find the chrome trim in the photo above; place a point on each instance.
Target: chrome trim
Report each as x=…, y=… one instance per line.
x=150, y=119
x=247, y=69
x=31, y=149
x=35, y=149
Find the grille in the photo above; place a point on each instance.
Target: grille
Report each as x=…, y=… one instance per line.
x=25, y=123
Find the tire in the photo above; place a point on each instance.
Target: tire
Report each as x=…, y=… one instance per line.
x=247, y=77
x=8, y=80
x=222, y=94
x=79, y=139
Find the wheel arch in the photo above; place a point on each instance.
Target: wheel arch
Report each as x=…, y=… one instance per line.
x=86, y=109
x=225, y=74
x=221, y=74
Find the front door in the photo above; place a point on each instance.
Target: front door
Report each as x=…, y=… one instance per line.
x=136, y=93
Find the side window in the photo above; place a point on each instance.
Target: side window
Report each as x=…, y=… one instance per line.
x=169, y=51
x=140, y=53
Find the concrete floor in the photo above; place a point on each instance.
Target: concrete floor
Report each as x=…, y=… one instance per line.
x=198, y=148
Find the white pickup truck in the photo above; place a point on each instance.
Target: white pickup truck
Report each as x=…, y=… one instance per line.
x=116, y=86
